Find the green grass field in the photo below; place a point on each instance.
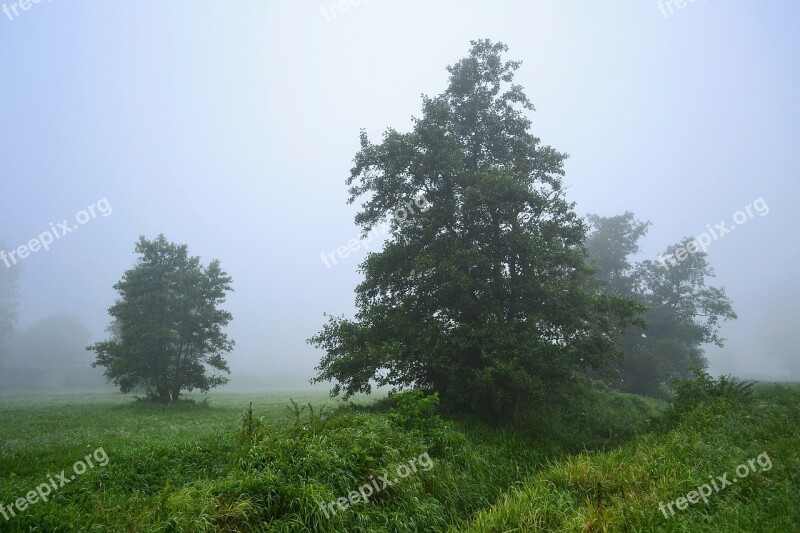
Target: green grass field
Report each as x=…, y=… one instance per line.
x=600, y=465
x=150, y=446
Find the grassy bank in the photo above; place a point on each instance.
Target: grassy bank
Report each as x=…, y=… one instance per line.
x=621, y=490
x=193, y=468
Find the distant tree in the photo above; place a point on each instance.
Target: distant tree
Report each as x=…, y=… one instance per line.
x=682, y=312
x=9, y=300
x=610, y=244
x=479, y=297
x=56, y=342
x=167, y=329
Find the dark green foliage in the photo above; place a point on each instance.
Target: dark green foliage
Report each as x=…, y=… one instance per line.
x=283, y=472
x=314, y=421
x=701, y=388
x=280, y=480
x=168, y=328
x=592, y=416
x=684, y=314
x=414, y=410
x=145, y=404
x=480, y=297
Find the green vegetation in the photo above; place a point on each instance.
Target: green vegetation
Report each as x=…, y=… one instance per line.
x=621, y=490
x=494, y=299
x=480, y=297
x=168, y=330
x=203, y=467
x=602, y=461
x=150, y=447
x=683, y=311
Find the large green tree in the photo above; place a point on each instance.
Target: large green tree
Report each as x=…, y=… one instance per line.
x=479, y=297
x=167, y=333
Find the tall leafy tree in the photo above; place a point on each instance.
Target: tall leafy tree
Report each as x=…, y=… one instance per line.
x=479, y=297
x=167, y=332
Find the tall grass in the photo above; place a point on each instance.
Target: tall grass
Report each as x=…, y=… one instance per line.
x=271, y=474
x=620, y=490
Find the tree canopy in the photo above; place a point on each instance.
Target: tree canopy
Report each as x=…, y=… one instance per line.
x=610, y=243
x=480, y=298
x=683, y=312
x=168, y=328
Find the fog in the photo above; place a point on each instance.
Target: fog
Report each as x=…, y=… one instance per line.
x=231, y=127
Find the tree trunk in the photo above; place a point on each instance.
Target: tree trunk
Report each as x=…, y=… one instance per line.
x=163, y=395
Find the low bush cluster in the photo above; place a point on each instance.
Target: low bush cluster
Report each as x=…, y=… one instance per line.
x=282, y=473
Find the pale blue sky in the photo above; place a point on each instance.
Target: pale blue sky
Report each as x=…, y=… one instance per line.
x=231, y=126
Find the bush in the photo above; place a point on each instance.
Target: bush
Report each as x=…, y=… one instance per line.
x=414, y=410
x=282, y=474
x=703, y=389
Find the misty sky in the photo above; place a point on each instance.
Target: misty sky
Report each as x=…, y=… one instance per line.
x=231, y=127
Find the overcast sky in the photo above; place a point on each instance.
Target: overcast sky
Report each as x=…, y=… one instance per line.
x=231, y=127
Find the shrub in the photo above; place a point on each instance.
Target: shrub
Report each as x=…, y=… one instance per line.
x=414, y=410
x=703, y=389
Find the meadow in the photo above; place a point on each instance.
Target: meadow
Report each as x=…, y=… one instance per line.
x=602, y=462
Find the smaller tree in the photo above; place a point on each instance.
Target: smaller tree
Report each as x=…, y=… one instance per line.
x=684, y=313
x=168, y=328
